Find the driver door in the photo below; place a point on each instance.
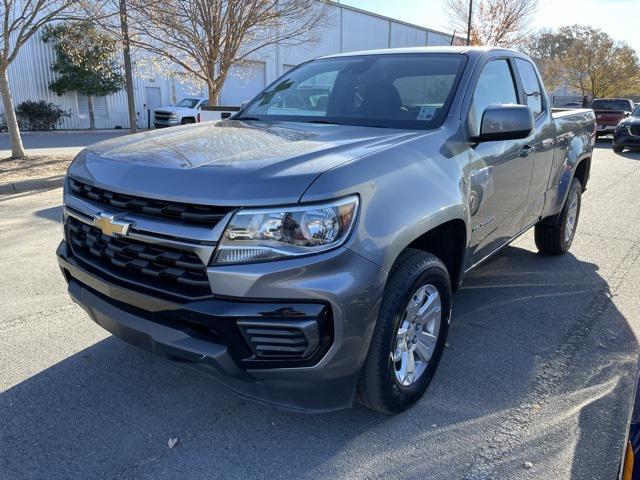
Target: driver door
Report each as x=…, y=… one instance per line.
x=500, y=171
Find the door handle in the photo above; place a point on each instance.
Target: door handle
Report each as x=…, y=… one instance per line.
x=527, y=150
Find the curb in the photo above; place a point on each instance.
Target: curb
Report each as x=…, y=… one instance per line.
x=31, y=185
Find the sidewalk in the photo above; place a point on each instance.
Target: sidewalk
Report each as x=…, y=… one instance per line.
x=49, y=156
x=84, y=131
x=57, y=142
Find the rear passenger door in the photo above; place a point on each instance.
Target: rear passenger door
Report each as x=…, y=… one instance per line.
x=500, y=171
x=542, y=139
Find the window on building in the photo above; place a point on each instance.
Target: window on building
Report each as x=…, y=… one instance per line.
x=531, y=86
x=99, y=106
x=495, y=87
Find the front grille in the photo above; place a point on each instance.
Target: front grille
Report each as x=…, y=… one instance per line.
x=162, y=115
x=203, y=215
x=635, y=130
x=168, y=270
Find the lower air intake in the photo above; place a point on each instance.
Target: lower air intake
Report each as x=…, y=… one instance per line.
x=281, y=339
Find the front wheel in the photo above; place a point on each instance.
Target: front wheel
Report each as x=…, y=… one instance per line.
x=409, y=335
x=618, y=148
x=555, y=236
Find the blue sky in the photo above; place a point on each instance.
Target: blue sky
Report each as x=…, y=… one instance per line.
x=619, y=18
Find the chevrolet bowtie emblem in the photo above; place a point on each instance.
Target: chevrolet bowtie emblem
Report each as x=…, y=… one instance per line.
x=110, y=225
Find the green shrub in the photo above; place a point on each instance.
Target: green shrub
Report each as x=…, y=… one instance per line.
x=38, y=116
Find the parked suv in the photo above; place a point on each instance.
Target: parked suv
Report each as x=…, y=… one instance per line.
x=627, y=133
x=305, y=252
x=184, y=112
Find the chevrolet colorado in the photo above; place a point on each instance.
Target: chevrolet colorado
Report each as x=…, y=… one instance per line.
x=305, y=251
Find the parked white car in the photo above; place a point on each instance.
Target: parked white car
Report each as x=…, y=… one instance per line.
x=183, y=112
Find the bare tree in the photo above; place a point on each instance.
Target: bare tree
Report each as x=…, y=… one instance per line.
x=21, y=19
x=546, y=48
x=502, y=23
x=207, y=37
x=587, y=60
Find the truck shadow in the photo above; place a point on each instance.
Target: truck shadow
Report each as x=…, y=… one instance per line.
x=606, y=144
x=52, y=213
x=631, y=154
x=526, y=331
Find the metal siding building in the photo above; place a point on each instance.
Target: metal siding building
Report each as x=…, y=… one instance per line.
x=347, y=29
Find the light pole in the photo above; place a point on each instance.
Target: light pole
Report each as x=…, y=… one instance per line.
x=469, y=23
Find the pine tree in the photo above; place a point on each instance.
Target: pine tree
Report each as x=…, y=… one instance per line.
x=86, y=62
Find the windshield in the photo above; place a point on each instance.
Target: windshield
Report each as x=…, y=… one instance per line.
x=636, y=112
x=188, y=102
x=394, y=91
x=611, y=105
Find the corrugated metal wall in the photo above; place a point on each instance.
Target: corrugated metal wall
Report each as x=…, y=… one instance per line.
x=348, y=29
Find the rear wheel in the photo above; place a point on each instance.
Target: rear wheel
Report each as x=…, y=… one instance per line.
x=409, y=335
x=555, y=235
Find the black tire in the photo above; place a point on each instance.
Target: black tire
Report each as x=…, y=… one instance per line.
x=187, y=121
x=618, y=148
x=550, y=233
x=378, y=388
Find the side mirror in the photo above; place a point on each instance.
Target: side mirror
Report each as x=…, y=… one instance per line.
x=505, y=122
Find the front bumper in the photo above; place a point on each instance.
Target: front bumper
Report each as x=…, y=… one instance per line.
x=605, y=129
x=166, y=123
x=341, y=283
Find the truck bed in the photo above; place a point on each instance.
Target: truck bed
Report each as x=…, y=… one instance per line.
x=574, y=120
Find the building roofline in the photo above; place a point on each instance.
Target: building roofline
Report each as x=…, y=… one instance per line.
x=391, y=19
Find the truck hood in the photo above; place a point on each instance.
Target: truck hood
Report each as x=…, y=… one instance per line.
x=228, y=163
x=173, y=109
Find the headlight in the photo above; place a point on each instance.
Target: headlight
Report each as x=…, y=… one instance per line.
x=259, y=235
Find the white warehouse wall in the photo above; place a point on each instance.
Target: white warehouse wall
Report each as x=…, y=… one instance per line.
x=347, y=29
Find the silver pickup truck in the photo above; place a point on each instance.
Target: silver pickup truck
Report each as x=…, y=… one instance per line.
x=305, y=251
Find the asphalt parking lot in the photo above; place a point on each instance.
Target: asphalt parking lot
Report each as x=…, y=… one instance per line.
x=541, y=368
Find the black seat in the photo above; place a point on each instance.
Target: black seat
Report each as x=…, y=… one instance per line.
x=322, y=103
x=381, y=99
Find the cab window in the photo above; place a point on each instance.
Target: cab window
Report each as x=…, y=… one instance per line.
x=495, y=86
x=531, y=85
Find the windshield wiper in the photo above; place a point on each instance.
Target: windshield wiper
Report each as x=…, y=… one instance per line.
x=247, y=118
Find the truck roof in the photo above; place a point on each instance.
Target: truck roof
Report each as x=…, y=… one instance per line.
x=451, y=49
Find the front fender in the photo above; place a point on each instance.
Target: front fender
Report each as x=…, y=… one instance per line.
x=405, y=191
